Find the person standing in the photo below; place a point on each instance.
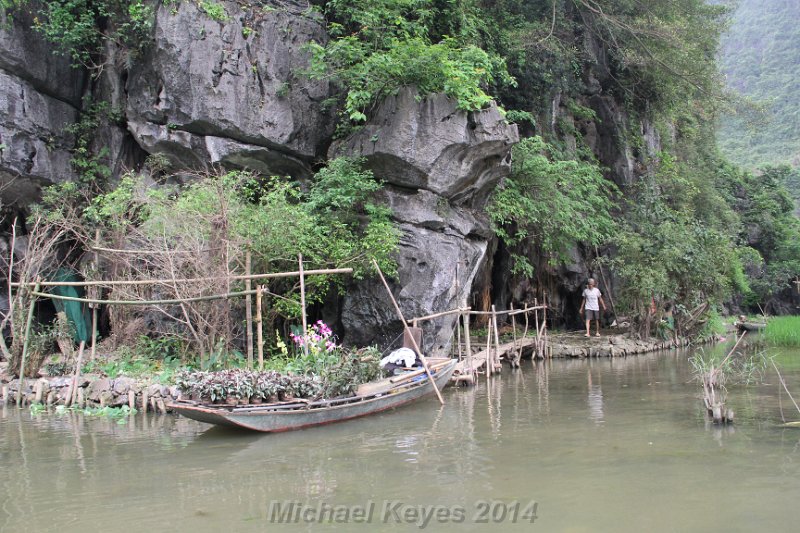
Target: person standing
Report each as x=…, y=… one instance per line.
x=592, y=300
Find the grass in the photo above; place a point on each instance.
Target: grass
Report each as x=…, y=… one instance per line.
x=783, y=331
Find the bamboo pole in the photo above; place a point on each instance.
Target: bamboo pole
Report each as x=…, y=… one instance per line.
x=468, y=343
x=248, y=309
x=25, y=344
x=303, y=302
x=517, y=354
x=260, y=327
x=76, y=375
x=496, y=340
x=439, y=315
x=408, y=330
x=489, y=360
x=95, y=306
x=507, y=312
x=458, y=338
x=151, y=252
x=274, y=275
x=538, y=337
x=544, y=325
x=144, y=302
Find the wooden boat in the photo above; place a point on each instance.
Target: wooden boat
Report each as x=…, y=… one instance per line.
x=372, y=398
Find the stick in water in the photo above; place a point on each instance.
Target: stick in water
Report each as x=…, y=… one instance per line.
x=408, y=330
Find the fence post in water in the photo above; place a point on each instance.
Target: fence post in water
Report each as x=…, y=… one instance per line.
x=496, y=340
x=517, y=352
x=248, y=307
x=468, y=346
x=25, y=343
x=260, y=327
x=544, y=325
x=536, y=325
x=458, y=338
x=76, y=375
x=489, y=363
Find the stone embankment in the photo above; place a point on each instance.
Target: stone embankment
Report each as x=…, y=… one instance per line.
x=615, y=345
x=93, y=391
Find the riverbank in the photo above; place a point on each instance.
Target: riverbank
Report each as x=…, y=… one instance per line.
x=146, y=394
x=93, y=391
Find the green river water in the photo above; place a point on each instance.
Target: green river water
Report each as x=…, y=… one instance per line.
x=599, y=445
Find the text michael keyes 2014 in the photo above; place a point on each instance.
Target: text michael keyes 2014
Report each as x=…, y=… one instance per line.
x=399, y=512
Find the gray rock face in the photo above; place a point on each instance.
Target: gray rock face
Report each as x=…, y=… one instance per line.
x=429, y=144
x=35, y=145
x=439, y=165
x=39, y=97
x=207, y=93
x=25, y=55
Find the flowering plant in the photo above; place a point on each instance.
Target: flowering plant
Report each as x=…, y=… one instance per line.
x=319, y=337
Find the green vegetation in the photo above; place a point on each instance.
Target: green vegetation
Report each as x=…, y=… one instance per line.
x=214, y=10
x=760, y=60
x=677, y=244
x=206, y=228
x=550, y=203
x=769, y=231
x=79, y=29
x=783, y=331
x=379, y=46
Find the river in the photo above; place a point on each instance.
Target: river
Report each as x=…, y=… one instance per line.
x=581, y=445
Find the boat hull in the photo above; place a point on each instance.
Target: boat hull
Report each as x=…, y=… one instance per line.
x=274, y=419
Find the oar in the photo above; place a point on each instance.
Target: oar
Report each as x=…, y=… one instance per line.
x=410, y=335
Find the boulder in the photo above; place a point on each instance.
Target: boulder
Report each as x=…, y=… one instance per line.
x=230, y=92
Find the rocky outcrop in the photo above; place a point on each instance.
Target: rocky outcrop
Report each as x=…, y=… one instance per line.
x=439, y=165
x=40, y=95
x=429, y=144
x=229, y=92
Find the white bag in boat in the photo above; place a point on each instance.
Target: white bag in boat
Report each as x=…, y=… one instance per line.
x=401, y=356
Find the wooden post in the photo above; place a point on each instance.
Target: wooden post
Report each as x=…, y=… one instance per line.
x=458, y=338
x=496, y=339
x=25, y=343
x=544, y=324
x=517, y=354
x=95, y=306
x=303, y=302
x=536, y=323
x=260, y=327
x=76, y=375
x=489, y=359
x=468, y=345
x=248, y=284
x=405, y=326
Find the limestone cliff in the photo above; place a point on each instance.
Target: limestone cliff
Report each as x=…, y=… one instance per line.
x=231, y=93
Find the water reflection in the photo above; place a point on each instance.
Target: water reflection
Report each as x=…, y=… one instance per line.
x=595, y=398
x=626, y=437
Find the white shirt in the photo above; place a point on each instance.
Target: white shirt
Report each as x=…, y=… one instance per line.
x=592, y=296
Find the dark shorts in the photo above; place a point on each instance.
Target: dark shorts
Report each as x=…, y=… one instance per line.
x=591, y=314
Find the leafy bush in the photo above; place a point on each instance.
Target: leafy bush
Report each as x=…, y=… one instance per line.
x=79, y=28
x=551, y=201
x=380, y=46
x=206, y=228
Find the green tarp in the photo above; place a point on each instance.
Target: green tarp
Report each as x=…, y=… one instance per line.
x=77, y=313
